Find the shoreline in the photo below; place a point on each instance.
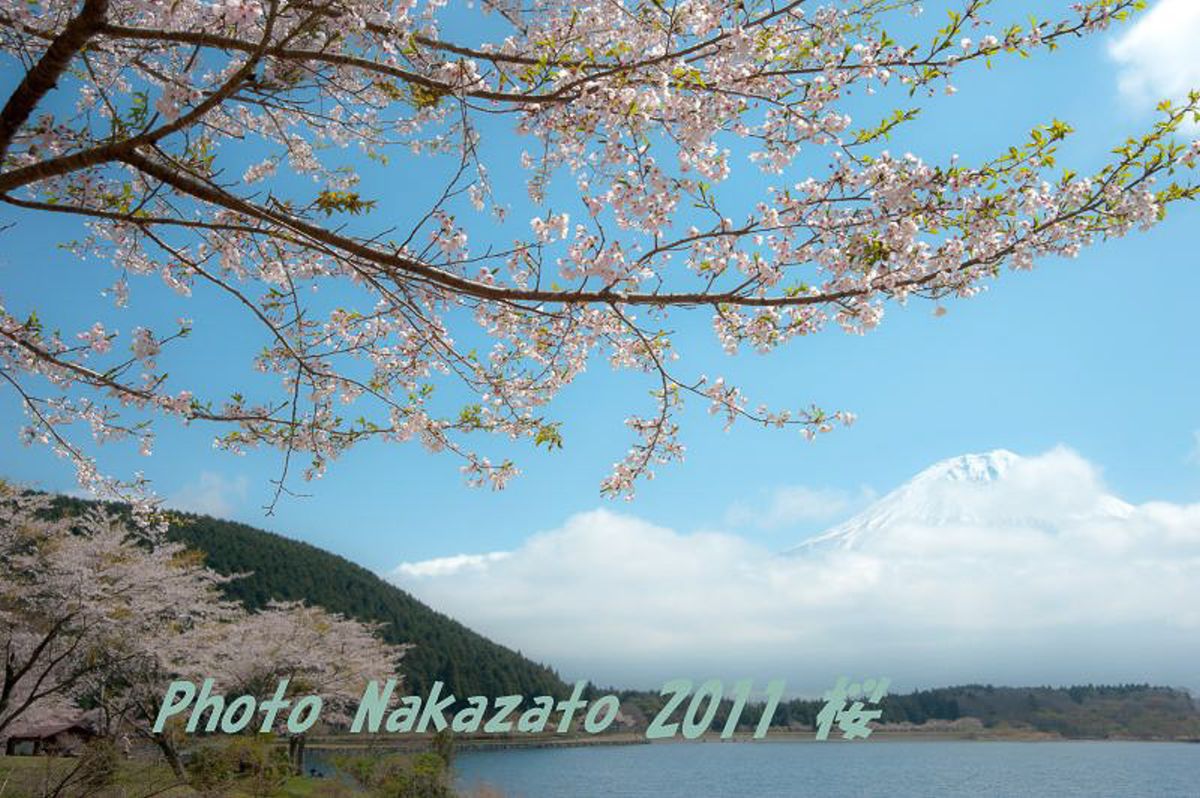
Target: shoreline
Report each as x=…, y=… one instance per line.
x=346, y=743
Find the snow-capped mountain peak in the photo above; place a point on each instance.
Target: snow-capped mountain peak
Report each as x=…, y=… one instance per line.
x=992, y=489
x=970, y=467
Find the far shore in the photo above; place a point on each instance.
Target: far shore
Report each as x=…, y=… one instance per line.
x=476, y=743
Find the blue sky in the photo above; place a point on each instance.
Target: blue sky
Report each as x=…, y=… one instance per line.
x=1097, y=354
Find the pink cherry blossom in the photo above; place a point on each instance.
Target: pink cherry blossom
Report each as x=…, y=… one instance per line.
x=92, y=609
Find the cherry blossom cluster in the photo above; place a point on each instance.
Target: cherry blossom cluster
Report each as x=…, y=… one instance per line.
x=95, y=609
x=370, y=314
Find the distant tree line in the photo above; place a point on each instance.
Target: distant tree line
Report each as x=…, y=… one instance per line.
x=1084, y=711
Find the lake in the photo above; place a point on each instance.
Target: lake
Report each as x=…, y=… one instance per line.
x=763, y=769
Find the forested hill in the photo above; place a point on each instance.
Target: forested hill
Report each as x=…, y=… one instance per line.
x=288, y=570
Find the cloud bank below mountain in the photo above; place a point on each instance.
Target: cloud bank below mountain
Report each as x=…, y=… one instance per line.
x=996, y=569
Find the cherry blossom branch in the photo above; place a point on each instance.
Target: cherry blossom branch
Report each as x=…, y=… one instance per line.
x=449, y=322
x=44, y=75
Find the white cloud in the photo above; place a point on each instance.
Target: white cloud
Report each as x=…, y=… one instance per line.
x=211, y=494
x=795, y=504
x=449, y=566
x=1157, y=55
x=1081, y=588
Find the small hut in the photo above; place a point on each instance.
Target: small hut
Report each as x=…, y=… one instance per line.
x=65, y=738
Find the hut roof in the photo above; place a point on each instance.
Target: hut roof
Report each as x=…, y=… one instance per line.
x=86, y=722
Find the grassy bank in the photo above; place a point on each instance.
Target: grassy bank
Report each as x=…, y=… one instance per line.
x=31, y=777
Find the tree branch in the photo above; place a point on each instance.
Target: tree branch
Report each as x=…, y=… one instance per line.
x=44, y=75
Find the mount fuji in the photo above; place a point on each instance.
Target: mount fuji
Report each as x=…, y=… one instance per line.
x=993, y=489
x=989, y=567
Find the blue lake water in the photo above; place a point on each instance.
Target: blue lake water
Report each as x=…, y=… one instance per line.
x=763, y=769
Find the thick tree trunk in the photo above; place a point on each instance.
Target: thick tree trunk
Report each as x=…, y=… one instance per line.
x=296, y=753
x=171, y=755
